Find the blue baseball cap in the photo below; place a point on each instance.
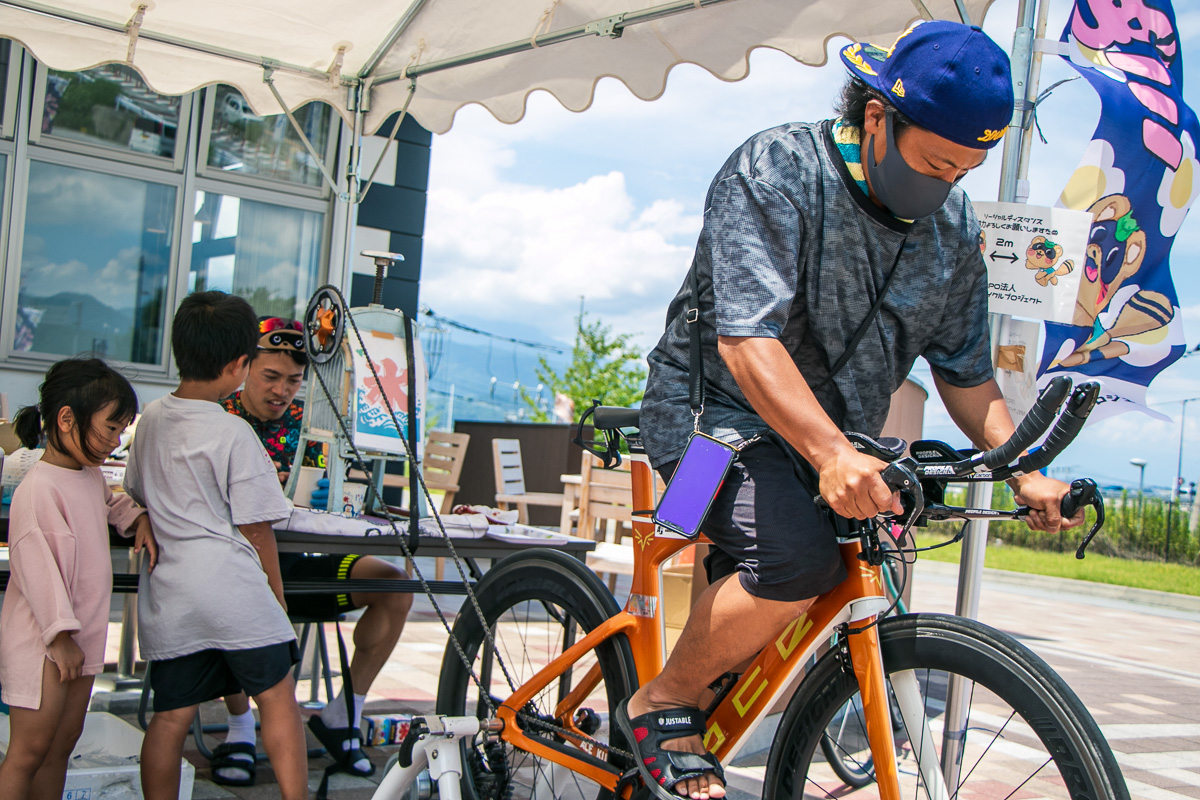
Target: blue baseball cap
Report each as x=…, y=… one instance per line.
x=949, y=78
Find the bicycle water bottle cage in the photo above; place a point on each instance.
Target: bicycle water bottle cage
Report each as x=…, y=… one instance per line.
x=609, y=450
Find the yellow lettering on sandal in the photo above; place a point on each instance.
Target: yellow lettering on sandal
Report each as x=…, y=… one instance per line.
x=738, y=704
x=790, y=639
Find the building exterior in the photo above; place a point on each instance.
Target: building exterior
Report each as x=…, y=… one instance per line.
x=116, y=202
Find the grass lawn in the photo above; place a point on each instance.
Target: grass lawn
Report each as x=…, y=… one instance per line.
x=1177, y=578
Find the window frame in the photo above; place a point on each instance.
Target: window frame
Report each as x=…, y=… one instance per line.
x=39, y=139
x=57, y=157
x=12, y=90
x=205, y=171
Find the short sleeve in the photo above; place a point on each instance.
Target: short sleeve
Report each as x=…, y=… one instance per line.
x=44, y=586
x=961, y=354
x=255, y=494
x=755, y=232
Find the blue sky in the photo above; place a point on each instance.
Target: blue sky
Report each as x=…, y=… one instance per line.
x=525, y=219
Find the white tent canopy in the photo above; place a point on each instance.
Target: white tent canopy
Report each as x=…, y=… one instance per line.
x=458, y=51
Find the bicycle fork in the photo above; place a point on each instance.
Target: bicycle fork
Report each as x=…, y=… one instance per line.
x=867, y=658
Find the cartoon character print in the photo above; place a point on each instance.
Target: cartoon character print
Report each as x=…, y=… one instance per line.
x=1115, y=251
x=1042, y=255
x=1133, y=42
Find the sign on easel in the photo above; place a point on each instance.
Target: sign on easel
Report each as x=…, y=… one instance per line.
x=1034, y=257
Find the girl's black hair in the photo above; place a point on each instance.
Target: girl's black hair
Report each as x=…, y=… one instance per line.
x=852, y=105
x=84, y=385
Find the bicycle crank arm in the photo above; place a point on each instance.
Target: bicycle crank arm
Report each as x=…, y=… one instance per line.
x=431, y=742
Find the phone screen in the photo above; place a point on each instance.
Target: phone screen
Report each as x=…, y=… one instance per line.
x=696, y=481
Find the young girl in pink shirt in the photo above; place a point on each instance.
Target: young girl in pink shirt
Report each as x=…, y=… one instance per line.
x=55, y=614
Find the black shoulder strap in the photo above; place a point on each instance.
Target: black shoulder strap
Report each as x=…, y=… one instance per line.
x=695, y=359
x=844, y=358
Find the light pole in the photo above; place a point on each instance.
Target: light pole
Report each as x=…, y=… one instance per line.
x=1140, y=463
x=1178, y=469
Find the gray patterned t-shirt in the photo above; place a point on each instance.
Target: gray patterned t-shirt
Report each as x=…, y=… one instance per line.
x=792, y=249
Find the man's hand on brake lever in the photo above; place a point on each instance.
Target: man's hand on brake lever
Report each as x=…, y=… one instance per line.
x=1044, y=496
x=851, y=485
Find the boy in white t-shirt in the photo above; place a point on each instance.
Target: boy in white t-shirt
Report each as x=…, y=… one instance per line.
x=211, y=618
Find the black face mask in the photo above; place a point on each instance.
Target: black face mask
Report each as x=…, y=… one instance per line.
x=905, y=192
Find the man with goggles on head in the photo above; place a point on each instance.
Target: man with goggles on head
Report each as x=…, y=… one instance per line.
x=831, y=257
x=268, y=402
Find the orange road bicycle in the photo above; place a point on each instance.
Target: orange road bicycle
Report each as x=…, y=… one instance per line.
x=555, y=654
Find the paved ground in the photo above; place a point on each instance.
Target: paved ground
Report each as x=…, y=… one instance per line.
x=1134, y=665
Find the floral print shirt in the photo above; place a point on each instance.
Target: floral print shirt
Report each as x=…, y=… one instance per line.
x=279, y=436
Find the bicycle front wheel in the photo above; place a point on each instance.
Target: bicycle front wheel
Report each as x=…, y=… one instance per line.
x=536, y=604
x=1025, y=728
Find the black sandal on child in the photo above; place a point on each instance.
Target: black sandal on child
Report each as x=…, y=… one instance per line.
x=333, y=740
x=663, y=769
x=225, y=757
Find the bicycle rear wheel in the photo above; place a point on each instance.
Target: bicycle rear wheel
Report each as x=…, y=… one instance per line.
x=537, y=604
x=1025, y=728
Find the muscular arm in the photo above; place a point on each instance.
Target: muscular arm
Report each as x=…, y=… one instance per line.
x=262, y=537
x=766, y=374
x=980, y=413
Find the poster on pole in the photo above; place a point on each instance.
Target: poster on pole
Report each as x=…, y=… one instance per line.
x=378, y=406
x=1034, y=257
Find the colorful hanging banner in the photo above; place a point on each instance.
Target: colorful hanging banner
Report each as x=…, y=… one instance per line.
x=1137, y=179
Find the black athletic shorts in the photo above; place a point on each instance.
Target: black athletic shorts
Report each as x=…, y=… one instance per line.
x=766, y=527
x=209, y=674
x=301, y=566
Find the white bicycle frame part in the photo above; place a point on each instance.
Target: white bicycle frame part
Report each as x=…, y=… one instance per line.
x=439, y=750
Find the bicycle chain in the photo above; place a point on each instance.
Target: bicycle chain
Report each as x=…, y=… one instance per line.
x=391, y=519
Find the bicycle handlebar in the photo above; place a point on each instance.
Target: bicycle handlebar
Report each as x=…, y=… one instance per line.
x=1034, y=425
x=1082, y=401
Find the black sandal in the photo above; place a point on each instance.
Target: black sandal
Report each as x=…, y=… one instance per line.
x=333, y=740
x=662, y=770
x=223, y=758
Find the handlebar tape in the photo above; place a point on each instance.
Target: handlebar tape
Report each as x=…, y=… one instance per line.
x=1068, y=426
x=1033, y=426
x=610, y=418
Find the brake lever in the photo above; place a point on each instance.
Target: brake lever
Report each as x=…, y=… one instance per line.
x=1083, y=493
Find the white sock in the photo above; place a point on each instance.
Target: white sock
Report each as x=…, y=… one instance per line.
x=334, y=714
x=241, y=730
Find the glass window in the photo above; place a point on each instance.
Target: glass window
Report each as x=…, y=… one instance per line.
x=112, y=107
x=266, y=253
x=267, y=146
x=94, y=264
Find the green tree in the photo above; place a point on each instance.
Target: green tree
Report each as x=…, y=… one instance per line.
x=604, y=367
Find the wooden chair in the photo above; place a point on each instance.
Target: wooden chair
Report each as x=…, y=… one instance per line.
x=605, y=501
x=444, y=454
x=442, y=466
x=510, y=481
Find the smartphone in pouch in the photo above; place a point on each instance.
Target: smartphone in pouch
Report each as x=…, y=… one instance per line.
x=694, y=486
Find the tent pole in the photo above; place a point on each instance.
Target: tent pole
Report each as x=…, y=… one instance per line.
x=979, y=495
x=351, y=196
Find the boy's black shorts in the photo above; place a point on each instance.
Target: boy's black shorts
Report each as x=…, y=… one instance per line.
x=765, y=526
x=299, y=566
x=209, y=674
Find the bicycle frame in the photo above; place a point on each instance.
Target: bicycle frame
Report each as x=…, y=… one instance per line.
x=776, y=671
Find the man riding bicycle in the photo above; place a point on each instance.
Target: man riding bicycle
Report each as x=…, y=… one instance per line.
x=832, y=255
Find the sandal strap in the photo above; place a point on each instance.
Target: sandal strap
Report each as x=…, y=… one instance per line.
x=692, y=765
x=226, y=749
x=674, y=722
